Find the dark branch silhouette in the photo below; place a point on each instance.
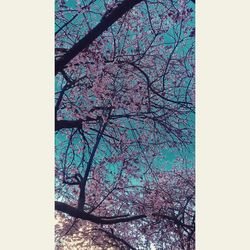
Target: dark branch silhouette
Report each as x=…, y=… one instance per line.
x=76, y=213
x=105, y=23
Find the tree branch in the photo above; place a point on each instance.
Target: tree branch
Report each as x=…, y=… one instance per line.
x=105, y=23
x=76, y=213
x=81, y=200
x=68, y=124
x=173, y=219
x=111, y=235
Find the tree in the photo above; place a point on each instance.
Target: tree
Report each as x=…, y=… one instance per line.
x=124, y=92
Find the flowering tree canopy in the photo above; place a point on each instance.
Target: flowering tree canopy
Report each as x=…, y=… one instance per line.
x=124, y=94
